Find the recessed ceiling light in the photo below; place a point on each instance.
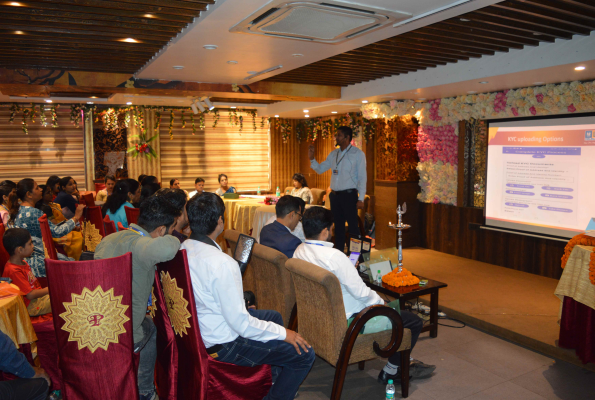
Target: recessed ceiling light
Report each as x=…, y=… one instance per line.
x=306, y=111
x=297, y=55
x=483, y=82
x=48, y=101
x=93, y=97
x=232, y=107
x=209, y=47
x=464, y=19
x=14, y=3
x=333, y=112
x=579, y=68
x=19, y=32
x=90, y=102
x=307, y=116
x=276, y=116
x=129, y=103
x=365, y=101
x=178, y=67
x=232, y=62
x=129, y=40
x=149, y=16
x=471, y=92
x=538, y=83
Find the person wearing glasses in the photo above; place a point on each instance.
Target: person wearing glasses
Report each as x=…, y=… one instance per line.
x=278, y=235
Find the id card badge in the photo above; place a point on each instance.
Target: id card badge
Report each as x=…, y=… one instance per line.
x=335, y=172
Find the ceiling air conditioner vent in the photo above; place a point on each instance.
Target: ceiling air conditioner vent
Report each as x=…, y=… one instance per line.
x=317, y=21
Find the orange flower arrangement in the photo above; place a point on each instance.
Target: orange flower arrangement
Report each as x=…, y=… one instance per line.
x=582, y=240
x=403, y=278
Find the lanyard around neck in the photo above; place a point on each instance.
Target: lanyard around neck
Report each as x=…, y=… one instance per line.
x=337, y=158
x=136, y=231
x=4, y=207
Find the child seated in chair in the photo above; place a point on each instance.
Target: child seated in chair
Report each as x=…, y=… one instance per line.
x=19, y=245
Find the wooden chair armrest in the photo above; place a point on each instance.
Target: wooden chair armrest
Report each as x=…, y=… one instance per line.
x=367, y=314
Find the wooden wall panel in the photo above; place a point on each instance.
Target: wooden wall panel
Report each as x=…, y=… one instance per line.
x=285, y=157
x=446, y=229
x=44, y=151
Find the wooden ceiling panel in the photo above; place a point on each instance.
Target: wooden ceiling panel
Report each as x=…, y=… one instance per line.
x=511, y=24
x=90, y=35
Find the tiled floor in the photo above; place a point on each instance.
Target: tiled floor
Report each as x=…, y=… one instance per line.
x=470, y=365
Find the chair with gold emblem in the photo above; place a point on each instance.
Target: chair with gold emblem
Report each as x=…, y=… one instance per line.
x=199, y=376
x=92, y=310
x=110, y=226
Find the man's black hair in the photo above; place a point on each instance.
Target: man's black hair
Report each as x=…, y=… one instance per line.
x=148, y=190
x=198, y=180
x=346, y=131
x=156, y=211
x=15, y=237
x=285, y=205
x=9, y=183
x=315, y=220
x=204, y=211
x=175, y=197
x=149, y=179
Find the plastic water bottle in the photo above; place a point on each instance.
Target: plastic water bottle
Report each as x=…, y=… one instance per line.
x=278, y=193
x=379, y=278
x=390, y=390
x=258, y=191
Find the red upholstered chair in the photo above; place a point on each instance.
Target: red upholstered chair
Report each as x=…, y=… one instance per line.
x=4, y=257
x=132, y=214
x=199, y=375
x=92, y=310
x=94, y=216
x=120, y=226
x=110, y=227
x=46, y=235
x=99, y=186
x=87, y=199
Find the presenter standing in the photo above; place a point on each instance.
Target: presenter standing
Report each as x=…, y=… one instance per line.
x=348, y=183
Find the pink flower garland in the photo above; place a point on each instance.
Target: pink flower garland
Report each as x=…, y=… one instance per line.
x=434, y=104
x=438, y=143
x=500, y=101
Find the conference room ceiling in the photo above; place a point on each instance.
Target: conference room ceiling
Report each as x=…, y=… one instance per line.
x=90, y=35
x=496, y=28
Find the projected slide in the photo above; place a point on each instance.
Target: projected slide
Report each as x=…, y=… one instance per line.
x=541, y=175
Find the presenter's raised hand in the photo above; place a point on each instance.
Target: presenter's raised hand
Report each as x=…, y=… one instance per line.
x=311, y=152
x=360, y=205
x=297, y=341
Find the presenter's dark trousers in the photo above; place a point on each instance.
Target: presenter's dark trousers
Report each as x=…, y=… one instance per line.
x=24, y=389
x=344, y=209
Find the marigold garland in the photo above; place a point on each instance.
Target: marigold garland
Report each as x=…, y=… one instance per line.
x=398, y=279
x=582, y=240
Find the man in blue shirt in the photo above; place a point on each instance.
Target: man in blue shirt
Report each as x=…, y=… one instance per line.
x=289, y=210
x=34, y=383
x=348, y=183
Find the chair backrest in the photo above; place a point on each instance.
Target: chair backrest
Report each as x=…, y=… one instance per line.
x=88, y=199
x=120, y=226
x=132, y=214
x=321, y=313
x=176, y=284
x=317, y=195
x=272, y=282
x=99, y=186
x=110, y=227
x=94, y=216
x=4, y=257
x=46, y=236
x=92, y=310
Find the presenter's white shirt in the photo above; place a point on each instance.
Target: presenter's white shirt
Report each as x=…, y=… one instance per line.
x=351, y=169
x=219, y=297
x=356, y=295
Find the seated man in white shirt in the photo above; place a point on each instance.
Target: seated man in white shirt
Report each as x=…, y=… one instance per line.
x=199, y=185
x=318, y=250
x=231, y=333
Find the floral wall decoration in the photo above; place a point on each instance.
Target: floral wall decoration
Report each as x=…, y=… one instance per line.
x=438, y=131
x=324, y=127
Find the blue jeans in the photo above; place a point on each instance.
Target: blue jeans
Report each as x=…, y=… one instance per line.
x=148, y=356
x=289, y=368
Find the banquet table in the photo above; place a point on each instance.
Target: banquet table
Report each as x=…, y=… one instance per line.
x=261, y=216
x=239, y=215
x=577, y=294
x=15, y=321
